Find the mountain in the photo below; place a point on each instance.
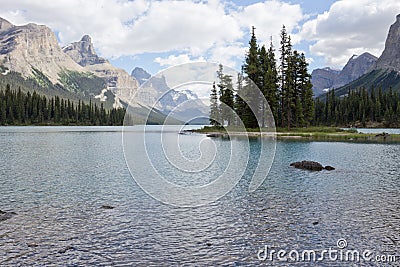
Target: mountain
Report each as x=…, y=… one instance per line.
x=28, y=47
x=390, y=58
x=326, y=78
x=118, y=80
x=381, y=78
x=32, y=60
x=385, y=71
x=323, y=79
x=30, y=57
x=140, y=75
x=182, y=104
x=354, y=68
x=33, y=51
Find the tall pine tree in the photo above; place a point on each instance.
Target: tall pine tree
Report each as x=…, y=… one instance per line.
x=214, y=107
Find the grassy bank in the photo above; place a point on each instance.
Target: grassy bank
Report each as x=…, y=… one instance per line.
x=306, y=134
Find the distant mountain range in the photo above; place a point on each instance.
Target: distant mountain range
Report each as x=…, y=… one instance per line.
x=365, y=70
x=31, y=59
x=325, y=79
x=182, y=104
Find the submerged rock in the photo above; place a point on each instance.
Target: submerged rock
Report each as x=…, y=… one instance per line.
x=5, y=215
x=107, y=207
x=308, y=165
x=61, y=251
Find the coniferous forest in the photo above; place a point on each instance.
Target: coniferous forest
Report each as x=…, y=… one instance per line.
x=359, y=108
x=286, y=87
x=19, y=108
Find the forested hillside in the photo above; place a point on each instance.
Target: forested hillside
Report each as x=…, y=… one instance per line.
x=372, y=107
x=20, y=108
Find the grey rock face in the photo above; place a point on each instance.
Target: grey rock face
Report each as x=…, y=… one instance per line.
x=140, y=75
x=5, y=25
x=122, y=85
x=355, y=68
x=322, y=79
x=326, y=78
x=390, y=58
x=83, y=53
x=25, y=47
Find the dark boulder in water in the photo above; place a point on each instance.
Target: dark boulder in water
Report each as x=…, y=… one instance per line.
x=311, y=166
x=329, y=168
x=308, y=165
x=107, y=207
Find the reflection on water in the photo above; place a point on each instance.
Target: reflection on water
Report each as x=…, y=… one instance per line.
x=57, y=181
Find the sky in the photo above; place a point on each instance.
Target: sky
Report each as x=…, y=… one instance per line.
x=157, y=34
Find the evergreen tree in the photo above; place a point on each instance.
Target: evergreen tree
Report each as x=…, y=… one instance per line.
x=251, y=68
x=287, y=68
x=214, y=107
x=225, y=87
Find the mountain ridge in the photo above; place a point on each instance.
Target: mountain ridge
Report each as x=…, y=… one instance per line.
x=181, y=104
x=385, y=72
x=119, y=82
x=29, y=46
x=390, y=58
x=326, y=78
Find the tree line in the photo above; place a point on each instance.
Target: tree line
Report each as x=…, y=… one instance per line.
x=19, y=108
x=359, y=108
x=285, y=85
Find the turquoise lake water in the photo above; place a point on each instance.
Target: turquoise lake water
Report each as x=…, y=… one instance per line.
x=57, y=179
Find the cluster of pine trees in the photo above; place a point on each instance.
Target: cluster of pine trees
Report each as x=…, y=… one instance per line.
x=18, y=108
x=286, y=87
x=359, y=109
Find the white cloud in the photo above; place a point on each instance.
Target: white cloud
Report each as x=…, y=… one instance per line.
x=268, y=17
x=173, y=60
x=350, y=27
x=228, y=55
x=213, y=29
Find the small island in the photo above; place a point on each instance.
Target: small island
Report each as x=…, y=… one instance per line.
x=302, y=134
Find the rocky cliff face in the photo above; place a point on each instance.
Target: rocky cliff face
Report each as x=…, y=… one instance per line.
x=118, y=80
x=326, y=78
x=322, y=79
x=140, y=75
x=28, y=47
x=390, y=58
x=83, y=53
x=355, y=68
x=384, y=72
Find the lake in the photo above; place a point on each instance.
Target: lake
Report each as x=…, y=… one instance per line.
x=77, y=204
